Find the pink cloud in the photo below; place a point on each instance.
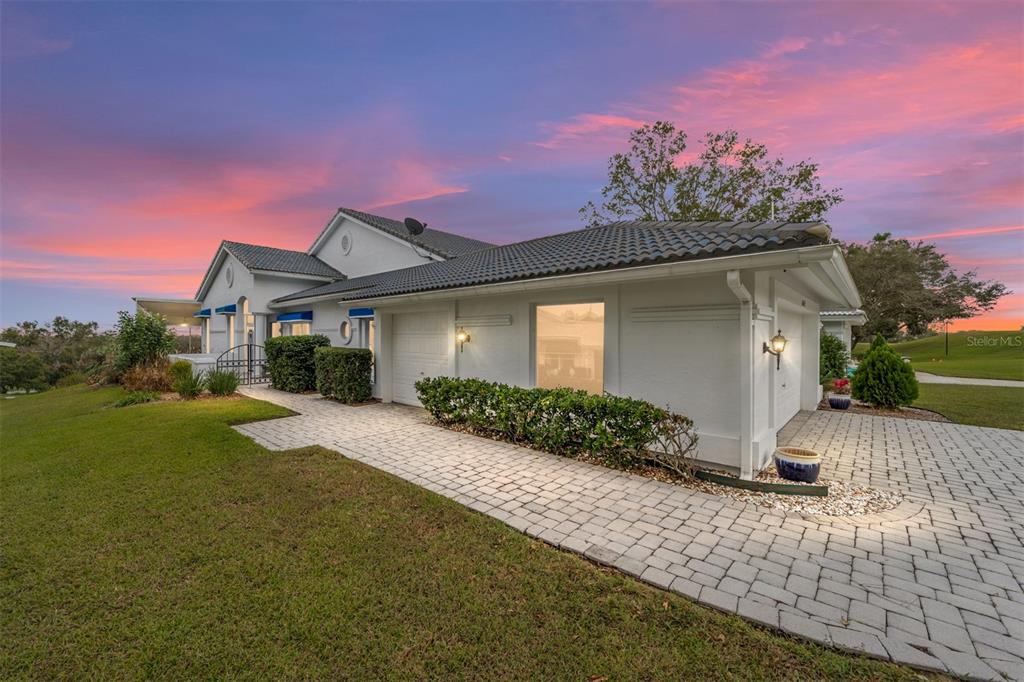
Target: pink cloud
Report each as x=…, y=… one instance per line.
x=413, y=180
x=807, y=106
x=1008, y=314
x=108, y=276
x=968, y=232
x=786, y=46
x=812, y=103
x=151, y=210
x=588, y=128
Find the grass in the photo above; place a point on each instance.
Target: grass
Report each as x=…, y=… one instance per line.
x=997, y=406
x=155, y=541
x=981, y=355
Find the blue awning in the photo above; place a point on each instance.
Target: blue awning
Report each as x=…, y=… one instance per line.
x=360, y=312
x=304, y=316
x=205, y=312
x=226, y=310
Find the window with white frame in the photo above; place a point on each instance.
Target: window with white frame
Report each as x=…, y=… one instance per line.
x=570, y=346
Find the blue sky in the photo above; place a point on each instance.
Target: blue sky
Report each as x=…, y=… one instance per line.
x=135, y=137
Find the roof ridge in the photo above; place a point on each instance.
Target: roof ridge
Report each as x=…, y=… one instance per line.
x=264, y=246
x=587, y=249
x=431, y=239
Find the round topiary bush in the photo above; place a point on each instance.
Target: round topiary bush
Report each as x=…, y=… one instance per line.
x=882, y=379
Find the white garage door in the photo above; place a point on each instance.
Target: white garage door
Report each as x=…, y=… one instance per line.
x=420, y=343
x=788, y=378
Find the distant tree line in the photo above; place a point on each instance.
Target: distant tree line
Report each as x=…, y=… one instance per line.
x=64, y=352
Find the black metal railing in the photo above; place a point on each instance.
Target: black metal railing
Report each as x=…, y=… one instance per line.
x=248, y=362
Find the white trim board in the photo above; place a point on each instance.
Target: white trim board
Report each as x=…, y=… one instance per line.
x=695, y=313
x=483, y=320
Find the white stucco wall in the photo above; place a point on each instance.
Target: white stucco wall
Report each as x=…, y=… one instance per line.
x=673, y=342
x=220, y=294
x=259, y=289
x=371, y=250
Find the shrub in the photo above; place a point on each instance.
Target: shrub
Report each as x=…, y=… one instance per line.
x=151, y=376
x=220, y=382
x=21, y=370
x=833, y=359
x=883, y=379
x=291, y=363
x=137, y=398
x=142, y=339
x=63, y=346
x=344, y=373
x=191, y=386
x=180, y=369
x=72, y=379
x=617, y=431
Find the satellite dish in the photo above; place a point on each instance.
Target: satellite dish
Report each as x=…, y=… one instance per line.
x=414, y=226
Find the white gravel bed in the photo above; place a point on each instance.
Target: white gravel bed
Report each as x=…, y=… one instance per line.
x=844, y=498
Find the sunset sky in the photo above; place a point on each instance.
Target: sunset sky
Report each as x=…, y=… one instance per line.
x=134, y=137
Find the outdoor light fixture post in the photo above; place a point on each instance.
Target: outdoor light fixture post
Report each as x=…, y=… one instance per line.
x=461, y=337
x=775, y=347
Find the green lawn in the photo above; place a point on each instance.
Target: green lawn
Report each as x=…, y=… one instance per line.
x=154, y=541
x=983, y=355
x=996, y=406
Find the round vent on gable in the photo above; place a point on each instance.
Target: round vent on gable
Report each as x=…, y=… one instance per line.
x=346, y=242
x=229, y=277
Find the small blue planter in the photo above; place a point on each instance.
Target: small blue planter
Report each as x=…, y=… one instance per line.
x=838, y=402
x=797, y=464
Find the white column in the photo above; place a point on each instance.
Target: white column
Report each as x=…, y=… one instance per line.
x=261, y=324
x=746, y=366
x=383, y=358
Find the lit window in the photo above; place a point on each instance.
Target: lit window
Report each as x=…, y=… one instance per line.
x=346, y=331
x=301, y=328
x=570, y=346
x=275, y=329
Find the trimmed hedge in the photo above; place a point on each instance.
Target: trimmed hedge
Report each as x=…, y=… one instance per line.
x=290, y=361
x=620, y=432
x=344, y=373
x=883, y=379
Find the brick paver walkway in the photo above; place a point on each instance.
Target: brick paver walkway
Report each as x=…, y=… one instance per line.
x=935, y=583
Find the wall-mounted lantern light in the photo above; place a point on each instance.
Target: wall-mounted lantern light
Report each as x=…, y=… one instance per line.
x=461, y=337
x=775, y=347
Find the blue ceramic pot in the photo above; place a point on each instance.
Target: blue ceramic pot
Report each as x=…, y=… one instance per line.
x=838, y=402
x=798, y=464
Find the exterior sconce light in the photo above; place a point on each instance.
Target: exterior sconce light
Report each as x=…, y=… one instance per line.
x=461, y=337
x=775, y=347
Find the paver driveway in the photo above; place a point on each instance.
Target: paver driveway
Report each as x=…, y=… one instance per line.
x=935, y=583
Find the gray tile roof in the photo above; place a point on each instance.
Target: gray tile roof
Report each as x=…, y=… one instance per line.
x=257, y=257
x=444, y=244
x=609, y=247
x=842, y=313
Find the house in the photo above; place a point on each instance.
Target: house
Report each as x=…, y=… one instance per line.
x=840, y=324
x=689, y=315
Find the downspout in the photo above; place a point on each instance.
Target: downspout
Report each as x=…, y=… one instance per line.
x=732, y=279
